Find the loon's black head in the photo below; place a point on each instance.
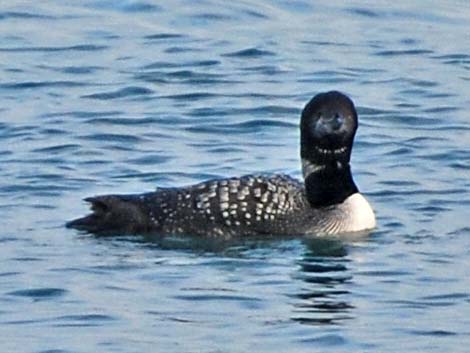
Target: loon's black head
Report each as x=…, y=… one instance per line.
x=327, y=128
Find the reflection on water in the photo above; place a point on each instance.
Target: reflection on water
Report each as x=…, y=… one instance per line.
x=323, y=299
x=323, y=296
x=231, y=246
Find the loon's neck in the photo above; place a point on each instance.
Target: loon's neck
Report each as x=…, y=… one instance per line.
x=328, y=183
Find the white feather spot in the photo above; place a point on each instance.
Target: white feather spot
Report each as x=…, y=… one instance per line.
x=265, y=196
x=234, y=183
x=224, y=197
x=271, y=187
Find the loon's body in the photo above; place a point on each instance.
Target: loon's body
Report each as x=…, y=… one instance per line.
x=327, y=202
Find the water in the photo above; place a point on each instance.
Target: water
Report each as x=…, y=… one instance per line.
x=120, y=96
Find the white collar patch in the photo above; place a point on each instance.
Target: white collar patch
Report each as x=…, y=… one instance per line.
x=309, y=167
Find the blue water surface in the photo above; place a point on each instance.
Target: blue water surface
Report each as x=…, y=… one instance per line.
x=102, y=96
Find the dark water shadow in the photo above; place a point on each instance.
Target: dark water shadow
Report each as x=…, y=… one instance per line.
x=220, y=246
x=324, y=295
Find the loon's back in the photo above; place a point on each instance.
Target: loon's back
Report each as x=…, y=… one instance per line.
x=252, y=204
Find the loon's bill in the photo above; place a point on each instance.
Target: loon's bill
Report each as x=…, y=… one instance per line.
x=327, y=202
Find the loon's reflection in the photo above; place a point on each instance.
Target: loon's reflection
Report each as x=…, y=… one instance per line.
x=323, y=295
x=323, y=298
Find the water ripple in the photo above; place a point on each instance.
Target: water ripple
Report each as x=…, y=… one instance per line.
x=39, y=293
x=392, y=53
x=5, y=15
x=82, y=320
x=41, y=84
x=121, y=93
x=164, y=36
x=80, y=48
x=183, y=76
x=168, y=65
x=122, y=138
x=246, y=127
x=124, y=6
x=250, y=53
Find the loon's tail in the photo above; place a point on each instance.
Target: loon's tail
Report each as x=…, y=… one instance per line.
x=112, y=214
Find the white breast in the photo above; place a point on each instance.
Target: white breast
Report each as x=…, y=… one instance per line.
x=358, y=214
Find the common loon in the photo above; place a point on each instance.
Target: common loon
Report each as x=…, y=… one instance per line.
x=327, y=202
